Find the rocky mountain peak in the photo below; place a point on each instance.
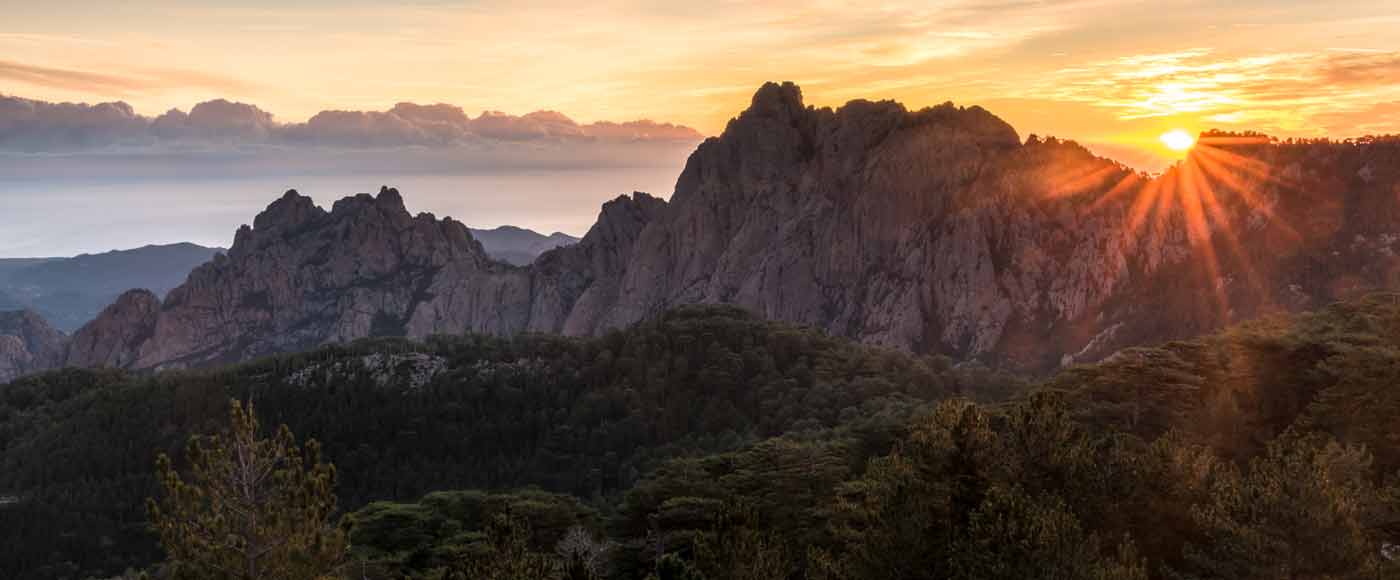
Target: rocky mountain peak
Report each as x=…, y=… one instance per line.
x=301, y=276
x=289, y=214
x=624, y=217
x=388, y=201
x=781, y=102
x=933, y=230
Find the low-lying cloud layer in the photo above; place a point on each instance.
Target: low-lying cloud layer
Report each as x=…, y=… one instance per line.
x=34, y=126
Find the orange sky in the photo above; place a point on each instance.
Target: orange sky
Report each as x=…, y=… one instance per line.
x=1110, y=73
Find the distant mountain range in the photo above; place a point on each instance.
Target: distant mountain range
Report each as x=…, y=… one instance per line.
x=933, y=231
x=69, y=292
x=520, y=246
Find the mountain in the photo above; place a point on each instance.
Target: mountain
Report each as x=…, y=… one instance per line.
x=303, y=276
x=27, y=344
x=8, y=302
x=519, y=246
x=935, y=231
x=9, y=266
x=69, y=292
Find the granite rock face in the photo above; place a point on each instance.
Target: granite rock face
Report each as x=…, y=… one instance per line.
x=303, y=276
x=114, y=338
x=936, y=231
x=27, y=344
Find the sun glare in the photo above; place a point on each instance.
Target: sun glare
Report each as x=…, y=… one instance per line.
x=1177, y=140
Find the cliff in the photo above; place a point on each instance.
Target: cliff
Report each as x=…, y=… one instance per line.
x=27, y=344
x=937, y=230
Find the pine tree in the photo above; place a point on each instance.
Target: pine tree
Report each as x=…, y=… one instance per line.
x=506, y=555
x=1306, y=509
x=252, y=508
x=672, y=567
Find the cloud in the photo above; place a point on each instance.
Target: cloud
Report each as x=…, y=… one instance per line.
x=1381, y=118
x=27, y=125
x=74, y=80
x=1277, y=92
x=368, y=129
x=113, y=84
x=1363, y=68
x=540, y=124
x=644, y=130
x=217, y=120
x=31, y=126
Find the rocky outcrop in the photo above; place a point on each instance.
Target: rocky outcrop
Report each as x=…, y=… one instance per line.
x=936, y=230
x=114, y=338
x=302, y=276
x=27, y=344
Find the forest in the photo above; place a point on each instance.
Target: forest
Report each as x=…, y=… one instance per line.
x=708, y=443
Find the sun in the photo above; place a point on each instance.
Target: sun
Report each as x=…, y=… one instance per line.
x=1177, y=140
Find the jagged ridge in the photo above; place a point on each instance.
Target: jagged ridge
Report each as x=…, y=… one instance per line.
x=935, y=230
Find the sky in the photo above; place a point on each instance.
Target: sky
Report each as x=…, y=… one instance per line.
x=1111, y=74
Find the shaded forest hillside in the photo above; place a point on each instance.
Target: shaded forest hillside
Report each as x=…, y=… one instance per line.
x=710, y=443
x=588, y=417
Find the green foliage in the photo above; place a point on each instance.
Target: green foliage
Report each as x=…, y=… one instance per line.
x=1238, y=389
x=505, y=554
x=589, y=417
x=707, y=444
x=253, y=508
x=430, y=535
x=786, y=482
x=974, y=495
x=672, y=567
x=1308, y=508
x=737, y=549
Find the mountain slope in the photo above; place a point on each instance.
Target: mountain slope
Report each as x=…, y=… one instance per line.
x=936, y=230
x=9, y=266
x=69, y=292
x=519, y=246
x=27, y=344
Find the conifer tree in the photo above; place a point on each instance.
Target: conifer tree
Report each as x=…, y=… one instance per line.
x=1306, y=509
x=249, y=508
